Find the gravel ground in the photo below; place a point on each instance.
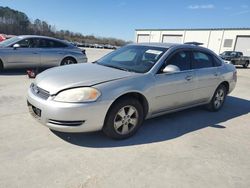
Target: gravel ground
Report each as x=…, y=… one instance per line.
x=192, y=148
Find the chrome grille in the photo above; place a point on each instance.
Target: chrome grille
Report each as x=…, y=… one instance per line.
x=39, y=92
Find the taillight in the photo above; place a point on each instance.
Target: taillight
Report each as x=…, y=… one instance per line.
x=235, y=76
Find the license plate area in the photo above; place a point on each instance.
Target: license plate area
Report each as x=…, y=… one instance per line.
x=36, y=112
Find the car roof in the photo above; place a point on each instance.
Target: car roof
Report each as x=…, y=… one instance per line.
x=38, y=36
x=44, y=37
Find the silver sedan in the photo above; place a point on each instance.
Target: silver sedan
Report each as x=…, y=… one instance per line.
x=32, y=51
x=140, y=81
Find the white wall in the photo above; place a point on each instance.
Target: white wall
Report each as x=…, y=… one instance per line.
x=197, y=36
x=212, y=39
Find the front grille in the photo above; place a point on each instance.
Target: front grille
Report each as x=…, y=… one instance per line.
x=39, y=92
x=66, y=123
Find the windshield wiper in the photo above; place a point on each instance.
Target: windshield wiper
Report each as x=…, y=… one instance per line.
x=115, y=67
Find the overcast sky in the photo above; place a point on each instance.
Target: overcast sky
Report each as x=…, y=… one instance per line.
x=120, y=18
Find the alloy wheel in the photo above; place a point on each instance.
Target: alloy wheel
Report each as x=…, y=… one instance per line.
x=219, y=98
x=126, y=120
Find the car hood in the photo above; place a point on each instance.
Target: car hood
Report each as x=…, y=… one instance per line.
x=225, y=56
x=70, y=76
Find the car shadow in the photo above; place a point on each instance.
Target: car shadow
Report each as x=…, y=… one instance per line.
x=17, y=72
x=12, y=72
x=166, y=127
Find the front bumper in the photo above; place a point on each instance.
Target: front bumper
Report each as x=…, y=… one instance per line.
x=68, y=117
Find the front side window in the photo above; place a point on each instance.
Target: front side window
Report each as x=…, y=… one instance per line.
x=202, y=60
x=133, y=58
x=217, y=62
x=181, y=60
x=28, y=43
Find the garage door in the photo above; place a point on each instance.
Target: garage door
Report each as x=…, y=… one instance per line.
x=172, y=39
x=142, y=38
x=243, y=45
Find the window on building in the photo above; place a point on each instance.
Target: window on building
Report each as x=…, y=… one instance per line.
x=228, y=43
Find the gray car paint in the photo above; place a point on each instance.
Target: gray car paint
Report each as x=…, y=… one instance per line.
x=163, y=93
x=38, y=57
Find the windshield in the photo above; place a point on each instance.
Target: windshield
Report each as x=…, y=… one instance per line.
x=10, y=41
x=227, y=53
x=133, y=58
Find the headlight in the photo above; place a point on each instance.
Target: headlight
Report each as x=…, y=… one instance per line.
x=84, y=94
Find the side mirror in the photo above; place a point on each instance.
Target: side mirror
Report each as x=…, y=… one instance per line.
x=171, y=69
x=15, y=46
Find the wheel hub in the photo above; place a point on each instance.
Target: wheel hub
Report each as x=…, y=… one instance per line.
x=126, y=120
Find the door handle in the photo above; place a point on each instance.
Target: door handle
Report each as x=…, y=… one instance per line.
x=189, y=77
x=35, y=52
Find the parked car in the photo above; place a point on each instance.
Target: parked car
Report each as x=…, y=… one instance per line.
x=236, y=58
x=38, y=51
x=2, y=37
x=108, y=46
x=136, y=82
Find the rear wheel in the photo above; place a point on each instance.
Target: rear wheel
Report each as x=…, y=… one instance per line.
x=246, y=64
x=68, y=61
x=123, y=119
x=218, y=99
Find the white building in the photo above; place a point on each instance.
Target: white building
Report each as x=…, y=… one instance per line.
x=218, y=40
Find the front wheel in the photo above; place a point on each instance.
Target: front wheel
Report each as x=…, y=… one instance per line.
x=218, y=99
x=123, y=119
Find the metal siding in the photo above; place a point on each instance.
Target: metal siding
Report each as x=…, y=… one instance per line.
x=243, y=45
x=141, y=38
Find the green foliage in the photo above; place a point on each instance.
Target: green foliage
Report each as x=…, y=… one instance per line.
x=14, y=22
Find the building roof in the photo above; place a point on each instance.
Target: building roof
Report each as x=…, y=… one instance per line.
x=194, y=29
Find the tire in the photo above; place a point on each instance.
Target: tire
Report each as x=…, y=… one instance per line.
x=1, y=66
x=123, y=119
x=68, y=61
x=246, y=64
x=218, y=99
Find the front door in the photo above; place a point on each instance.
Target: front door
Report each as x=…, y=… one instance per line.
x=27, y=55
x=175, y=90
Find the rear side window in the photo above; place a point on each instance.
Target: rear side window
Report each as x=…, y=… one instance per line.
x=46, y=43
x=202, y=60
x=217, y=62
x=180, y=59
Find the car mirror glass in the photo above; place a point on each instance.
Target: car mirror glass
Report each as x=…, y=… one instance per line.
x=171, y=69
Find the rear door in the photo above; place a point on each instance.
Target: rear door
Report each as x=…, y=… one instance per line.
x=52, y=52
x=175, y=90
x=207, y=74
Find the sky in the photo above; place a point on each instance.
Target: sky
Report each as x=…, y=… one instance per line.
x=120, y=18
